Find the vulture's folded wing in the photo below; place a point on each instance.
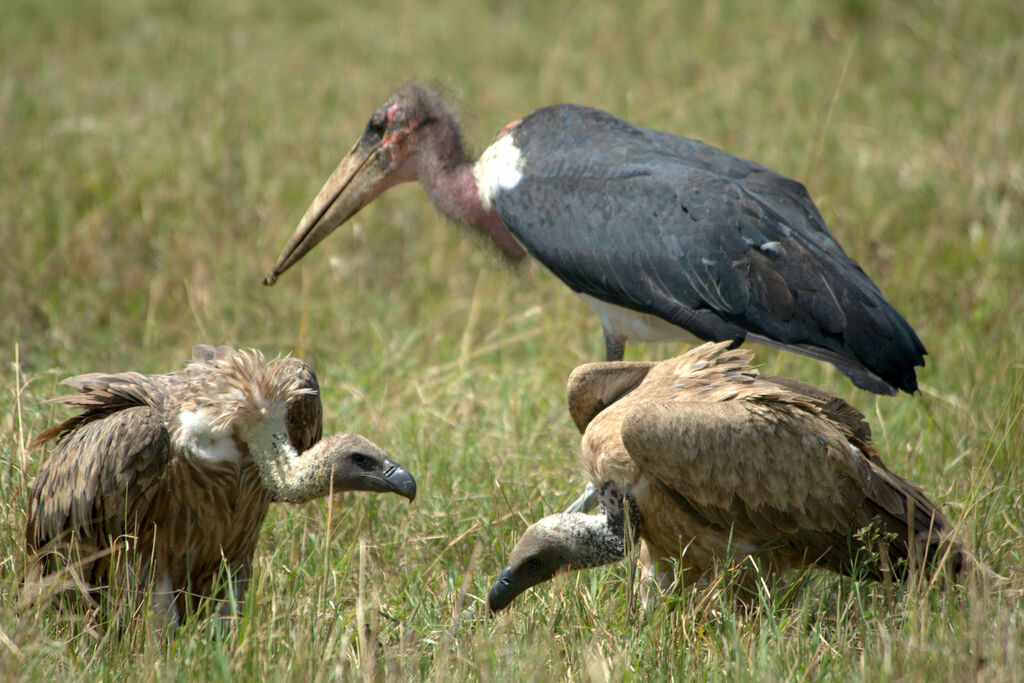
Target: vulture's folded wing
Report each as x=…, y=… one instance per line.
x=305, y=412
x=595, y=386
x=773, y=473
x=100, y=478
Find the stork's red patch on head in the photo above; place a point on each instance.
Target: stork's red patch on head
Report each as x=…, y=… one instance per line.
x=398, y=134
x=509, y=126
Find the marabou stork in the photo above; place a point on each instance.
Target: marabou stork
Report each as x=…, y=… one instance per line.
x=711, y=462
x=658, y=234
x=162, y=480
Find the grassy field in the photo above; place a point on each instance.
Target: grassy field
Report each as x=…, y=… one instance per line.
x=155, y=156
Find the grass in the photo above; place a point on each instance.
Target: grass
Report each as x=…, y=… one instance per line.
x=155, y=156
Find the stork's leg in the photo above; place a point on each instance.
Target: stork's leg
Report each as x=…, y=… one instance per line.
x=587, y=501
x=614, y=345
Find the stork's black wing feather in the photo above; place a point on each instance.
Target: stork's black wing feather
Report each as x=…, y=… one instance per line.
x=715, y=244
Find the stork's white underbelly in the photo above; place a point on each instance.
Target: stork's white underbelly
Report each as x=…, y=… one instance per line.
x=633, y=325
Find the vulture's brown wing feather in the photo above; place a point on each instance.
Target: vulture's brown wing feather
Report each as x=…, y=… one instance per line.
x=100, y=395
x=595, y=386
x=99, y=478
x=845, y=417
x=742, y=468
x=305, y=412
x=776, y=474
x=885, y=490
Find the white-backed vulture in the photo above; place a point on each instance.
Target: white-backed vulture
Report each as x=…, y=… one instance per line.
x=713, y=463
x=167, y=478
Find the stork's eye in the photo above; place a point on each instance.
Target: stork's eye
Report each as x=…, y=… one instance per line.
x=362, y=461
x=378, y=123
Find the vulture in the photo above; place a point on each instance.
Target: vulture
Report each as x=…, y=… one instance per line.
x=705, y=461
x=663, y=237
x=161, y=481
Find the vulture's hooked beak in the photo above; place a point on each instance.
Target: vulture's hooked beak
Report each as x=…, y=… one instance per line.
x=503, y=591
x=399, y=479
x=364, y=173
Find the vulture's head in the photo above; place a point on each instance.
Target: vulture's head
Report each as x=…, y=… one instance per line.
x=265, y=403
x=544, y=550
x=358, y=464
x=340, y=462
x=558, y=543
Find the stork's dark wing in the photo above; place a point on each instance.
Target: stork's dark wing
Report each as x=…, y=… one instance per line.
x=776, y=474
x=718, y=245
x=100, y=478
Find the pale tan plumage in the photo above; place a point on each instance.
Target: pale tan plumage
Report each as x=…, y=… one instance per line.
x=175, y=473
x=722, y=462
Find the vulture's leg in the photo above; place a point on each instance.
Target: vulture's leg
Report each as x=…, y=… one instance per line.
x=238, y=586
x=655, y=578
x=164, y=609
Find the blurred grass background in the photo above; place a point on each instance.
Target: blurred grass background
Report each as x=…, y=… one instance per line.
x=155, y=156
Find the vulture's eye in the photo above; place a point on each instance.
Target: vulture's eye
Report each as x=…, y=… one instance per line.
x=362, y=461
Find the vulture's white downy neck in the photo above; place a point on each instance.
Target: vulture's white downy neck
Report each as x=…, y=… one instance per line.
x=197, y=434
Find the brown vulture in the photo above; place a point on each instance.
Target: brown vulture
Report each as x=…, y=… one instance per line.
x=710, y=463
x=163, y=481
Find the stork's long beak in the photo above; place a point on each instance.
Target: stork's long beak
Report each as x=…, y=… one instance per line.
x=357, y=181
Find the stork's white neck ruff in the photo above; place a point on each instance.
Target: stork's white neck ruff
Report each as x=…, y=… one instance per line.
x=499, y=168
x=198, y=436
